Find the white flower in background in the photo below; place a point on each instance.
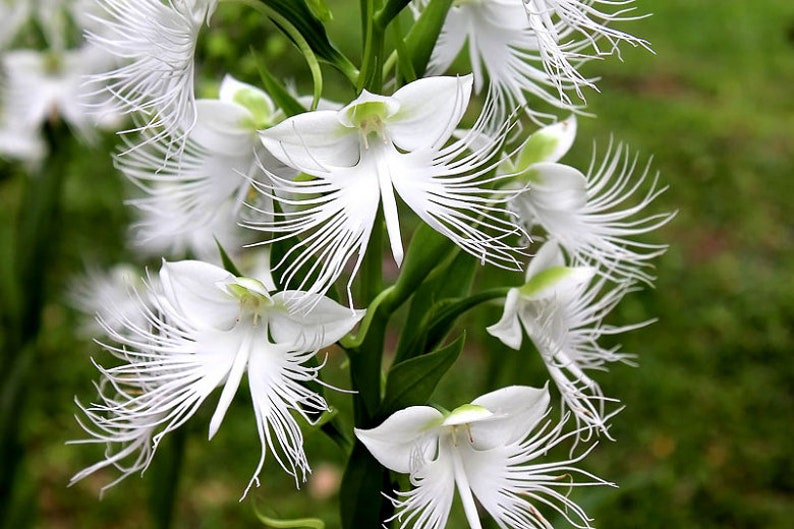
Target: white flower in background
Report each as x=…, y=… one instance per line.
x=108, y=297
x=155, y=43
x=202, y=192
x=361, y=157
x=163, y=228
x=485, y=450
x=501, y=43
x=39, y=86
x=594, y=217
x=562, y=310
x=206, y=329
x=568, y=32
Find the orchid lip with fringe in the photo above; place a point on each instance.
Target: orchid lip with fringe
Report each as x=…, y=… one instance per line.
x=596, y=217
x=502, y=42
x=155, y=41
x=205, y=329
x=200, y=195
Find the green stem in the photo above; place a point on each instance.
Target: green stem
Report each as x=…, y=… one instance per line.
x=164, y=478
x=390, y=12
x=370, y=77
x=36, y=238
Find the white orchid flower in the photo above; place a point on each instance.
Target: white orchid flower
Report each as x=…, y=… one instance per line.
x=41, y=86
x=362, y=157
x=502, y=43
x=108, y=296
x=165, y=227
x=568, y=32
x=155, y=43
x=594, y=217
x=561, y=310
x=206, y=329
x=203, y=192
x=484, y=450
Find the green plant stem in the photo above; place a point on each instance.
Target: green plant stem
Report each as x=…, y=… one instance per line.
x=32, y=248
x=370, y=77
x=165, y=477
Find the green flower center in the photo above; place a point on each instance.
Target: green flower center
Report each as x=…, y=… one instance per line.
x=253, y=297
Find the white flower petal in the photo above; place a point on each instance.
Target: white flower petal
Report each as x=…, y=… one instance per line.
x=516, y=410
x=508, y=328
x=313, y=141
x=430, y=109
x=277, y=379
x=253, y=99
x=326, y=322
x=405, y=440
x=548, y=144
x=224, y=128
x=196, y=289
x=428, y=504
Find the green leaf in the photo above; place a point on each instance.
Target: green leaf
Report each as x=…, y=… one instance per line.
x=436, y=287
x=428, y=254
x=320, y=10
x=227, y=262
x=275, y=523
x=410, y=383
x=422, y=37
x=311, y=28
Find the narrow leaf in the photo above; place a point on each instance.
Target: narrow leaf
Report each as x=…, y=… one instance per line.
x=422, y=37
x=410, y=383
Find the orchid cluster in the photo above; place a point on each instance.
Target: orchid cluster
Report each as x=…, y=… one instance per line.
x=271, y=210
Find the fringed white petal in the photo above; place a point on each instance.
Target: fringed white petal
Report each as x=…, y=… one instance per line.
x=601, y=231
x=427, y=505
x=155, y=43
x=568, y=32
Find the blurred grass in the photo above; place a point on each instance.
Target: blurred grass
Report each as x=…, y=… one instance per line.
x=705, y=439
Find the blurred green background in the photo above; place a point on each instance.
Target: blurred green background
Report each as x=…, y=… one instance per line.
x=705, y=440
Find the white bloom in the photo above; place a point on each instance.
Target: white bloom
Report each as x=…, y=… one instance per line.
x=594, y=217
x=155, y=42
x=562, y=312
x=366, y=154
x=501, y=42
x=206, y=329
x=108, y=297
x=40, y=86
x=569, y=32
x=200, y=193
x=484, y=450
x=163, y=227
